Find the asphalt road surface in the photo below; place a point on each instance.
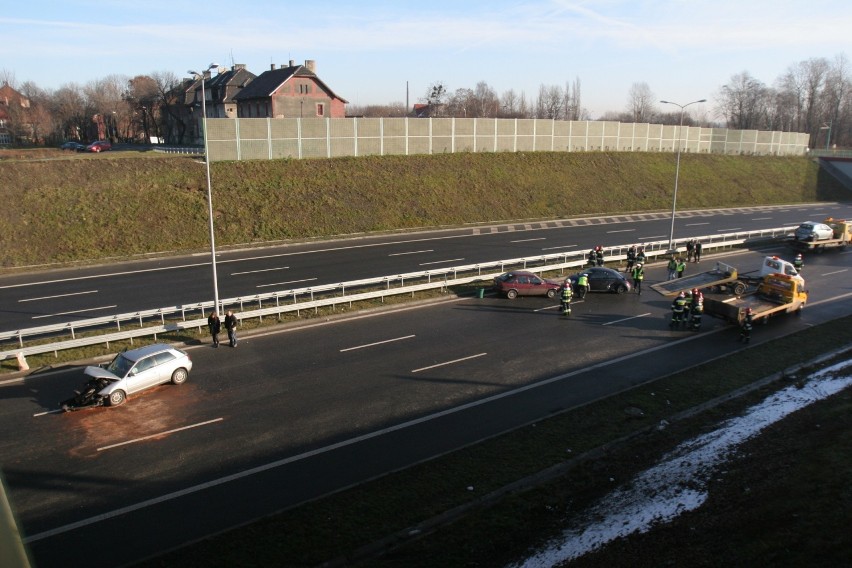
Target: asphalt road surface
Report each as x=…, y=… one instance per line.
x=294, y=414
x=64, y=295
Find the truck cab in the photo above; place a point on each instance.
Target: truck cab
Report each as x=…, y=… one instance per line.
x=776, y=265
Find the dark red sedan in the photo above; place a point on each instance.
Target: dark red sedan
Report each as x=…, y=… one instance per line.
x=524, y=283
x=99, y=146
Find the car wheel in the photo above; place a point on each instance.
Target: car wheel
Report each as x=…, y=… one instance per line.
x=620, y=289
x=512, y=294
x=117, y=397
x=551, y=293
x=179, y=376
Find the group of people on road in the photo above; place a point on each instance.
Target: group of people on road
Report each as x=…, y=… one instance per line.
x=214, y=324
x=693, y=250
x=596, y=256
x=687, y=309
x=676, y=267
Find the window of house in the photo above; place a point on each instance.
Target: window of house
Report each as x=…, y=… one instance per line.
x=320, y=109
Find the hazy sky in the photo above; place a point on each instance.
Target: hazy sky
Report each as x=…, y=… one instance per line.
x=367, y=51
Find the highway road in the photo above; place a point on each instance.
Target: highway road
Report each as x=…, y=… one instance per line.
x=40, y=298
x=296, y=413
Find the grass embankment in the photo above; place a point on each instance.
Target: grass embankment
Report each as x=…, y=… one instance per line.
x=783, y=501
x=113, y=205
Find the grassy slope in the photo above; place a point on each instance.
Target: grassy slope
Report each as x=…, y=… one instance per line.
x=113, y=205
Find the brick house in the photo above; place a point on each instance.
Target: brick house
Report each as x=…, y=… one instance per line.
x=219, y=92
x=15, y=125
x=294, y=91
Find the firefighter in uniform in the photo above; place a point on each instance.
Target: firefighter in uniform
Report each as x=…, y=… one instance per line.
x=593, y=257
x=599, y=259
x=745, y=327
x=697, y=309
x=798, y=262
x=640, y=255
x=565, y=299
x=631, y=258
x=678, y=309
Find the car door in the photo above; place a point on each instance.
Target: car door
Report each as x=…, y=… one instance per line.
x=597, y=280
x=142, y=375
x=522, y=285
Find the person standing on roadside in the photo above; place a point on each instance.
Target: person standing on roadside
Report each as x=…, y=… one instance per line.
x=671, y=267
x=582, y=285
x=690, y=249
x=631, y=258
x=567, y=295
x=638, y=276
x=697, y=251
x=231, y=326
x=681, y=266
x=215, y=326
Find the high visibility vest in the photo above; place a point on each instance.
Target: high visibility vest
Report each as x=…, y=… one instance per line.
x=583, y=281
x=567, y=294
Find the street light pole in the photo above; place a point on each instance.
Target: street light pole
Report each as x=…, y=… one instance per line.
x=828, y=136
x=209, y=185
x=677, y=166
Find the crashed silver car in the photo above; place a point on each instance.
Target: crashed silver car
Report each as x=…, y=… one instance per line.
x=131, y=372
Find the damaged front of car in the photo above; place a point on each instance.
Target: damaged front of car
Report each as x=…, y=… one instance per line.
x=96, y=391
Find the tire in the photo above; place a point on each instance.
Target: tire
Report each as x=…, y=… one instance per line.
x=551, y=293
x=620, y=289
x=512, y=294
x=117, y=397
x=739, y=288
x=179, y=376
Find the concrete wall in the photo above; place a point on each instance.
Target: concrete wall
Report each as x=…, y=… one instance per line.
x=267, y=138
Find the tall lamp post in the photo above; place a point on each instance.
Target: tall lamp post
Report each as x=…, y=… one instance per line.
x=677, y=166
x=828, y=137
x=201, y=76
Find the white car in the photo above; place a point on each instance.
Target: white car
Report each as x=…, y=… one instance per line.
x=811, y=231
x=131, y=372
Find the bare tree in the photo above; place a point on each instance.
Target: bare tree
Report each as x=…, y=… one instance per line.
x=551, y=102
x=461, y=104
x=640, y=103
x=573, y=107
x=436, y=97
x=172, y=92
x=742, y=102
x=484, y=101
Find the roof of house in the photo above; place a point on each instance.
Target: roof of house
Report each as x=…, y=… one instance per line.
x=265, y=84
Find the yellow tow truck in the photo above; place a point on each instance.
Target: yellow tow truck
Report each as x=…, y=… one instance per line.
x=840, y=238
x=777, y=294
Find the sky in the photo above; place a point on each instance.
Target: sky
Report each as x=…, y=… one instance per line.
x=382, y=51
x=679, y=483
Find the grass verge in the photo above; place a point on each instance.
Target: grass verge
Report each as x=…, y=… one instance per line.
x=363, y=525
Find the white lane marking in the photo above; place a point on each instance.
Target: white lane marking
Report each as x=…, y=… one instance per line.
x=166, y=433
x=58, y=296
x=58, y=410
x=835, y=272
x=448, y=362
x=440, y=261
x=761, y=218
x=558, y=306
x=696, y=224
x=729, y=230
x=352, y=441
x=528, y=240
x=288, y=282
x=622, y=231
x=560, y=247
x=816, y=214
x=411, y=252
x=377, y=343
x=74, y=312
x=626, y=319
x=652, y=237
x=125, y=273
x=260, y=270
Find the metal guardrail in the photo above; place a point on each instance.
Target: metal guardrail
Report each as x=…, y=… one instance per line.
x=334, y=294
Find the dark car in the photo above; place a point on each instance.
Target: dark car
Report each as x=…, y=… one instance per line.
x=603, y=279
x=73, y=146
x=99, y=146
x=524, y=283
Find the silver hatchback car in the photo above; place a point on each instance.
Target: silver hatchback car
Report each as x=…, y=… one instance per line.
x=139, y=369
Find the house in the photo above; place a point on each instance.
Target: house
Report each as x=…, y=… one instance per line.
x=294, y=91
x=15, y=123
x=219, y=92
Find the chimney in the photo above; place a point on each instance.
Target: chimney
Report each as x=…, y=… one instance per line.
x=311, y=65
x=272, y=67
x=292, y=63
x=238, y=66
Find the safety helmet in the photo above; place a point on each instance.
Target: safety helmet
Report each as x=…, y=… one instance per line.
x=681, y=295
x=799, y=255
x=638, y=265
x=748, y=310
x=695, y=291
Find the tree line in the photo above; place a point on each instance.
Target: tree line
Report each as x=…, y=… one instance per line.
x=812, y=96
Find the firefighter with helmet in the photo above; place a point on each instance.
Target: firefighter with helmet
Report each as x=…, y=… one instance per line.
x=565, y=298
x=678, y=310
x=697, y=309
x=798, y=262
x=746, y=326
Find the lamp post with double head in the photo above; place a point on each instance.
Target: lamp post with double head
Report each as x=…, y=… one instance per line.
x=828, y=136
x=677, y=166
x=202, y=76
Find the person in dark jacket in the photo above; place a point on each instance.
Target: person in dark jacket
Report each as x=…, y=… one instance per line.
x=697, y=251
x=214, y=324
x=231, y=326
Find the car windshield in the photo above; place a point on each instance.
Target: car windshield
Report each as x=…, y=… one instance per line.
x=120, y=365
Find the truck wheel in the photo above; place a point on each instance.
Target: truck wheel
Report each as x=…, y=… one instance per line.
x=739, y=288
